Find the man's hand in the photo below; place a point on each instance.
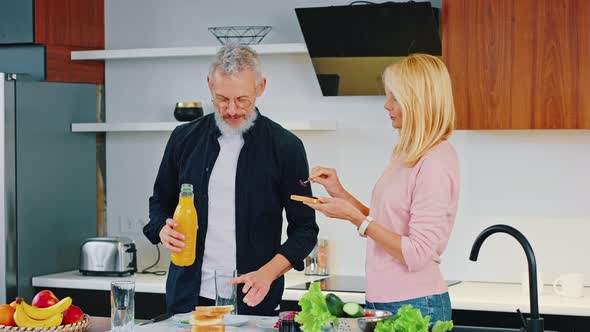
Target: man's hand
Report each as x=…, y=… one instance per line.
x=171, y=239
x=256, y=286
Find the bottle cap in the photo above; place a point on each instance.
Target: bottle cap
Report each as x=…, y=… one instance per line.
x=186, y=188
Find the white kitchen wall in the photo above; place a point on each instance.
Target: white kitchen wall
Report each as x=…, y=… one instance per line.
x=537, y=181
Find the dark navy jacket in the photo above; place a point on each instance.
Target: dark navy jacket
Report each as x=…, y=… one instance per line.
x=270, y=165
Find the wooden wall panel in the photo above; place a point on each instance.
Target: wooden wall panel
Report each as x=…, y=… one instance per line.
x=70, y=22
x=584, y=72
x=518, y=64
x=66, y=25
x=60, y=68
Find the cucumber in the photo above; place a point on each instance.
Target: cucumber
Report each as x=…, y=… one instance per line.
x=335, y=305
x=353, y=309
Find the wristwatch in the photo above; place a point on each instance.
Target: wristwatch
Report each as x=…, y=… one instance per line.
x=363, y=227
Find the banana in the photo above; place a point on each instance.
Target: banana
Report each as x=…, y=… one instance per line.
x=23, y=320
x=45, y=313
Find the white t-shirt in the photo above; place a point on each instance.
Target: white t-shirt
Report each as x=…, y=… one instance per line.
x=220, y=244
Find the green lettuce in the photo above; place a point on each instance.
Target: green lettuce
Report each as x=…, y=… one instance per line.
x=409, y=319
x=314, y=312
x=442, y=326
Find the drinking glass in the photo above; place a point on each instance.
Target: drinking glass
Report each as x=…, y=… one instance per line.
x=226, y=294
x=122, y=306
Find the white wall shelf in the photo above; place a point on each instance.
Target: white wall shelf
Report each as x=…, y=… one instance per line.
x=138, y=53
x=169, y=126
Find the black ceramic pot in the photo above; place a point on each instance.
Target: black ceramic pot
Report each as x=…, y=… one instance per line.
x=188, y=111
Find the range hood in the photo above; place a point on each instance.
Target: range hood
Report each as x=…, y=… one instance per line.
x=350, y=46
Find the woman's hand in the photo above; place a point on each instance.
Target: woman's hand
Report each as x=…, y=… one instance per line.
x=338, y=208
x=328, y=178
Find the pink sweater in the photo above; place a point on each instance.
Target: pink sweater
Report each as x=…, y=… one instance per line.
x=420, y=204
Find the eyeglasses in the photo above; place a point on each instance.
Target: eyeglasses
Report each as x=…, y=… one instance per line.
x=222, y=102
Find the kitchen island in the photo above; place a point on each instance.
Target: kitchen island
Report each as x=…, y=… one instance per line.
x=102, y=324
x=485, y=303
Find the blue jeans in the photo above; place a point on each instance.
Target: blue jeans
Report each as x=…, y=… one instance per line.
x=438, y=307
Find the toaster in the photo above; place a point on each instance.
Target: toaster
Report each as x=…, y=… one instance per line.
x=108, y=256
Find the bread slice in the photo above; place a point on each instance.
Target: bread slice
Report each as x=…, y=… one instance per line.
x=213, y=311
x=209, y=316
x=196, y=316
x=207, y=320
x=306, y=199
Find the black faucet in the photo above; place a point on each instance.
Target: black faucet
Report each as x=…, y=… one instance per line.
x=535, y=322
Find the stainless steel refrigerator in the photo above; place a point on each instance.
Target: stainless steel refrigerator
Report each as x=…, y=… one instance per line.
x=47, y=179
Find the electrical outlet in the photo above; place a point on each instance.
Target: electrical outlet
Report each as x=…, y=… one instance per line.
x=131, y=224
x=127, y=224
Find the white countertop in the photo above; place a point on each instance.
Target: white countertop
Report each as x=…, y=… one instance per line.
x=171, y=325
x=483, y=296
x=144, y=283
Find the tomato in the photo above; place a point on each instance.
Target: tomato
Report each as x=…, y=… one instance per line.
x=368, y=314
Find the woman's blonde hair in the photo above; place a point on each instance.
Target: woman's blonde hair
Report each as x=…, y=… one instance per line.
x=422, y=86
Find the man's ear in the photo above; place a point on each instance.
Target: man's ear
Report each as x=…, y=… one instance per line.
x=209, y=82
x=261, y=87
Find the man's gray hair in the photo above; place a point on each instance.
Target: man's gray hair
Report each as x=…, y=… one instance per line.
x=232, y=59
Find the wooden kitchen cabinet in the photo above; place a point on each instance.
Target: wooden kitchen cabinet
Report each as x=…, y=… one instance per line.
x=64, y=26
x=70, y=22
x=519, y=64
x=58, y=27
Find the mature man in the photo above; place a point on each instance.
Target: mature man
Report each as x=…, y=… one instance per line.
x=244, y=167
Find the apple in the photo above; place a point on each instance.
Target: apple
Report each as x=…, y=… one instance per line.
x=72, y=315
x=44, y=299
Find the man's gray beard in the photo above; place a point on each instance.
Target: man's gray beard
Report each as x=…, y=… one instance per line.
x=229, y=130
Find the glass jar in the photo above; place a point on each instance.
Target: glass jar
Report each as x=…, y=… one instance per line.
x=287, y=322
x=323, y=255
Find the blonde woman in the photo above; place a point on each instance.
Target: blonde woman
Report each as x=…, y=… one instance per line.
x=414, y=203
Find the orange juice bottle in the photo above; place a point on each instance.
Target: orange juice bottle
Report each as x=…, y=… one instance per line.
x=185, y=216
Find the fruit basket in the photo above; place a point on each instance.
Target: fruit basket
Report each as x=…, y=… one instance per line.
x=80, y=326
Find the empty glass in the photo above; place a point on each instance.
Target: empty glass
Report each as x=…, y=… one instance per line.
x=122, y=306
x=226, y=294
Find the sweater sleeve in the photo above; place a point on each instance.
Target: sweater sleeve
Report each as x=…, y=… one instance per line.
x=430, y=225
x=165, y=196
